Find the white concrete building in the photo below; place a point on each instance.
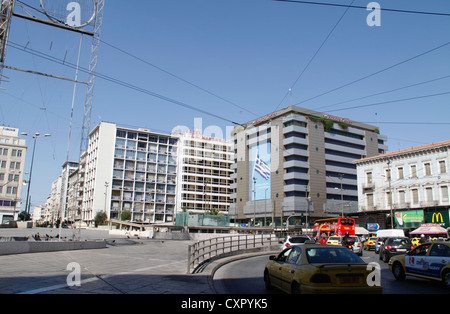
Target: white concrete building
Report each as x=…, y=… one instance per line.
x=204, y=173
x=130, y=169
x=412, y=183
x=12, y=161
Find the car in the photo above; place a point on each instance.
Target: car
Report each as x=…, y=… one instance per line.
x=318, y=268
x=294, y=240
x=357, y=246
x=379, y=242
x=430, y=260
x=394, y=246
x=370, y=243
x=334, y=240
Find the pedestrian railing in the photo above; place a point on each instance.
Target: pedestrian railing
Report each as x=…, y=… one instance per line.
x=205, y=251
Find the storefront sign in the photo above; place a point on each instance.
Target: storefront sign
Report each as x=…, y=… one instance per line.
x=409, y=219
x=440, y=217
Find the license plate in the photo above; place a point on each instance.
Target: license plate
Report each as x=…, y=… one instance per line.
x=349, y=280
x=401, y=250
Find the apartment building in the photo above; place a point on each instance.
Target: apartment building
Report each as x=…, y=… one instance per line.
x=405, y=188
x=12, y=162
x=298, y=162
x=204, y=173
x=130, y=169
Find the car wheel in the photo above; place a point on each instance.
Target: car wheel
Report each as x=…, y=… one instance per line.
x=267, y=280
x=446, y=279
x=295, y=288
x=397, y=270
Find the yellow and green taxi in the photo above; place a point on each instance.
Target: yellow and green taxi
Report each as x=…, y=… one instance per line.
x=430, y=260
x=319, y=268
x=369, y=244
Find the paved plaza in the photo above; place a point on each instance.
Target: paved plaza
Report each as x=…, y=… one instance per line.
x=125, y=266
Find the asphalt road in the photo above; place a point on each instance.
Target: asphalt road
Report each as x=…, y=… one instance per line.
x=246, y=277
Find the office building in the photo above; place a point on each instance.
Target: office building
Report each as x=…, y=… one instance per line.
x=299, y=162
x=12, y=161
x=130, y=170
x=204, y=173
x=405, y=188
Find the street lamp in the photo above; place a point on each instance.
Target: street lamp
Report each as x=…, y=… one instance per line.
x=35, y=136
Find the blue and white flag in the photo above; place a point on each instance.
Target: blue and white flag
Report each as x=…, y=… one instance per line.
x=262, y=168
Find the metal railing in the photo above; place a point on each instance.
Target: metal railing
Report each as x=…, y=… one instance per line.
x=205, y=251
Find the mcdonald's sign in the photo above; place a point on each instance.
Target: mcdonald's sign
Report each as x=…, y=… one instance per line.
x=439, y=217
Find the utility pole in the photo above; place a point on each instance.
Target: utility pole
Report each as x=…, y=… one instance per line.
x=341, y=176
x=390, y=193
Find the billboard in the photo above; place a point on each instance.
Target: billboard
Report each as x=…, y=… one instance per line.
x=260, y=171
x=409, y=219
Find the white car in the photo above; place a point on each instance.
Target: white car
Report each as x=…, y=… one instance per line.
x=294, y=240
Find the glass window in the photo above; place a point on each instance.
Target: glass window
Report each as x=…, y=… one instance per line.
x=440, y=250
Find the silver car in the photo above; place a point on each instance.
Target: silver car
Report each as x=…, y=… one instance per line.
x=357, y=246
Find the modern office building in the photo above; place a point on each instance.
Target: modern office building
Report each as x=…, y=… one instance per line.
x=130, y=169
x=204, y=173
x=405, y=188
x=299, y=162
x=12, y=161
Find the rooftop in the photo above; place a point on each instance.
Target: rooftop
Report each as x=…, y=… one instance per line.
x=406, y=151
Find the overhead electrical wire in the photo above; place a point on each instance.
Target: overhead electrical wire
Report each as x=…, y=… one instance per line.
x=375, y=73
x=315, y=54
x=118, y=82
x=363, y=7
x=158, y=68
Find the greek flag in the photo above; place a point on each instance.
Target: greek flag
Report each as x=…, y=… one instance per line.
x=262, y=168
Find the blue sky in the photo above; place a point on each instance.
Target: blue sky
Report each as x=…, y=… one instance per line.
x=247, y=52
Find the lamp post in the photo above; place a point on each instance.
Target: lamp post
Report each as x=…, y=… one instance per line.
x=35, y=136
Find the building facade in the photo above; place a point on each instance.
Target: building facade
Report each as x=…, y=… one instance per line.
x=298, y=162
x=130, y=170
x=12, y=162
x=405, y=188
x=204, y=173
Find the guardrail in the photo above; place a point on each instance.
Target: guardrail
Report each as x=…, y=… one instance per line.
x=207, y=250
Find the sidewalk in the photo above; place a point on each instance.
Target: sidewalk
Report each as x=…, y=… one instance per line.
x=126, y=266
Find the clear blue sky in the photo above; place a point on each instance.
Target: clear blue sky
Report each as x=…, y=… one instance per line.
x=248, y=52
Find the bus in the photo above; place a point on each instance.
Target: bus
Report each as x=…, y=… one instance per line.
x=333, y=227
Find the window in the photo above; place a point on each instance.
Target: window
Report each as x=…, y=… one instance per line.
x=427, y=167
x=369, y=199
x=413, y=171
x=400, y=173
x=401, y=197
x=369, y=177
x=415, y=196
x=440, y=250
x=442, y=167
x=429, y=194
x=389, y=198
x=3, y=164
x=444, y=193
x=388, y=174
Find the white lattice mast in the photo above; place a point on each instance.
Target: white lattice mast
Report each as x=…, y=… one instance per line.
x=6, y=11
x=91, y=79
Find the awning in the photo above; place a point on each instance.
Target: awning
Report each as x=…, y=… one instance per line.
x=361, y=230
x=429, y=229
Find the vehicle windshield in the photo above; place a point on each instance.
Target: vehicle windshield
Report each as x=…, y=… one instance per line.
x=334, y=238
x=331, y=256
x=298, y=239
x=401, y=241
x=347, y=222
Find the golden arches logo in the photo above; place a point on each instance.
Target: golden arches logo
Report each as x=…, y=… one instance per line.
x=438, y=217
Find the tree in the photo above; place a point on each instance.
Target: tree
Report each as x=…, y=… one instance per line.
x=126, y=215
x=100, y=218
x=24, y=216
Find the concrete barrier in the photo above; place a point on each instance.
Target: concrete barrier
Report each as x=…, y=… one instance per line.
x=22, y=247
